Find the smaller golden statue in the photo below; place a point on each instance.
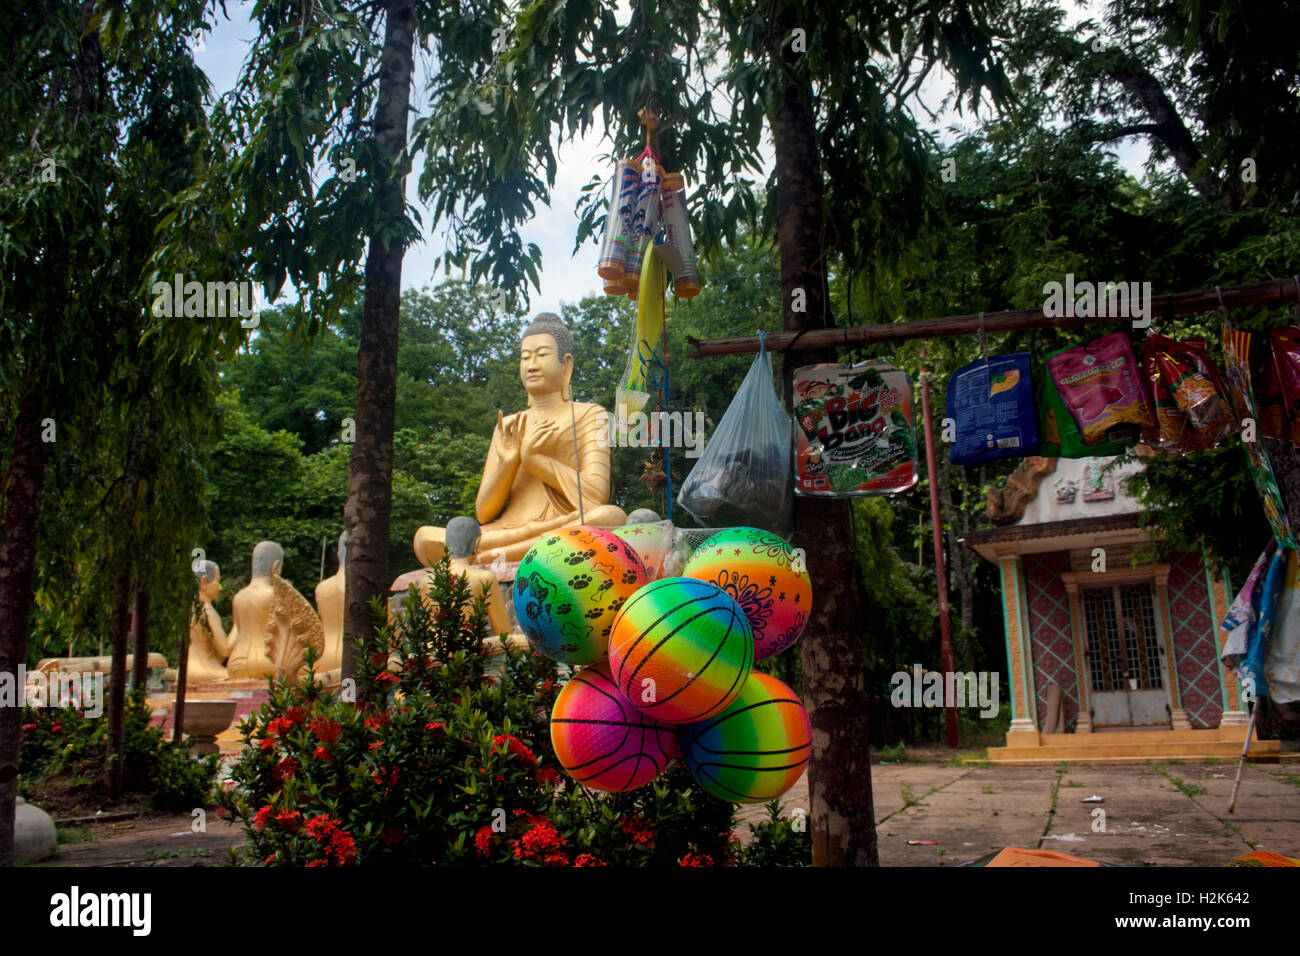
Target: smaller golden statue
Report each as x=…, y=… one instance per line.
x=209, y=646
x=274, y=624
x=329, y=602
x=462, y=537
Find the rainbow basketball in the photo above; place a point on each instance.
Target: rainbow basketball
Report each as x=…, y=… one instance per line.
x=754, y=750
x=680, y=649
x=601, y=740
x=758, y=569
x=568, y=589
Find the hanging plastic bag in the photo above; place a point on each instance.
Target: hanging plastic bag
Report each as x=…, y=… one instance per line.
x=743, y=477
x=856, y=430
x=991, y=404
x=1101, y=387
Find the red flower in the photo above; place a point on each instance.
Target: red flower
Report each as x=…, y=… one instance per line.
x=437, y=728
x=586, y=859
x=280, y=726
x=286, y=768
x=270, y=859
x=56, y=728
x=261, y=817
x=693, y=859
x=223, y=813
x=343, y=847
x=378, y=721
x=391, y=835
x=28, y=728
x=321, y=862
x=542, y=838
x=375, y=745
x=326, y=731
x=515, y=747
x=295, y=715
x=549, y=776
x=379, y=658
x=555, y=859
x=320, y=827
x=267, y=743
x=384, y=677
x=483, y=841
x=289, y=819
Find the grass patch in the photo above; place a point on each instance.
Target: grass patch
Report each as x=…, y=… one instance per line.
x=987, y=788
x=72, y=835
x=908, y=794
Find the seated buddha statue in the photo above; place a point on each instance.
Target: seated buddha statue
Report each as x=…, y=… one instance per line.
x=251, y=610
x=329, y=605
x=548, y=465
x=206, y=660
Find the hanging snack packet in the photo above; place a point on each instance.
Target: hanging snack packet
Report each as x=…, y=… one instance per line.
x=856, y=435
x=1192, y=411
x=1100, y=385
x=1286, y=357
x=991, y=405
x=1060, y=435
x=1275, y=421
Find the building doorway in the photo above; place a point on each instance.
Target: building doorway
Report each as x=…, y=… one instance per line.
x=1128, y=673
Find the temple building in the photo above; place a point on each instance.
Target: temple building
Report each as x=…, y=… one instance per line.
x=1113, y=655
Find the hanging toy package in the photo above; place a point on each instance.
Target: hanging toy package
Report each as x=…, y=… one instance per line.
x=856, y=434
x=743, y=476
x=991, y=405
x=1192, y=411
x=1100, y=387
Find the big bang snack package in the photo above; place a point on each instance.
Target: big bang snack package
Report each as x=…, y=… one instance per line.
x=856, y=432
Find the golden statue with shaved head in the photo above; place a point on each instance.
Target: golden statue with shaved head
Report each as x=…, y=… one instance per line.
x=548, y=465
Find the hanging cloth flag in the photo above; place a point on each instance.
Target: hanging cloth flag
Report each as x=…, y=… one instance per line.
x=1236, y=367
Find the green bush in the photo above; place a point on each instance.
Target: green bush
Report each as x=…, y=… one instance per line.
x=778, y=840
x=446, y=763
x=63, y=742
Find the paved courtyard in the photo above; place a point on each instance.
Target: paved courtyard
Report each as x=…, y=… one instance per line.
x=1155, y=815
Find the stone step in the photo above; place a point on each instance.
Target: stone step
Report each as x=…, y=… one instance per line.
x=1137, y=751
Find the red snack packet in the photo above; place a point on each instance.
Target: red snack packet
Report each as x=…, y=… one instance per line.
x=1101, y=386
x=1286, y=359
x=1192, y=413
x=1274, y=419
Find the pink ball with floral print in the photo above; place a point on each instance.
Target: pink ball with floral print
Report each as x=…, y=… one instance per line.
x=765, y=576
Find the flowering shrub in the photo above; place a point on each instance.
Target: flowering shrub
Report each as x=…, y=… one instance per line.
x=445, y=763
x=60, y=745
x=777, y=841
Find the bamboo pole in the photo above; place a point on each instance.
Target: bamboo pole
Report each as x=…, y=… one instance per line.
x=1274, y=292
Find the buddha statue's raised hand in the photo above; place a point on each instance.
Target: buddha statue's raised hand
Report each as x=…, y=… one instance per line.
x=508, y=444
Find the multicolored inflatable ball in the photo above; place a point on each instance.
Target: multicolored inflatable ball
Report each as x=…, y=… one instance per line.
x=601, y=740
x=568, y=589
x=758, y=569
x=680, y=649
x=754, y=750
x=653, y=543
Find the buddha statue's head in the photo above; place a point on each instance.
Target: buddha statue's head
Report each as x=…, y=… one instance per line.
x=268, y=558
x=208, y=577
x=546, y=357
x=462, y=537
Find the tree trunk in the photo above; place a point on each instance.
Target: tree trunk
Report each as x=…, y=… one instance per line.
x=114, y=768
x=839, y=775
x=140, y=643
x=958, y=560
x=22, y=488
x=370, y=470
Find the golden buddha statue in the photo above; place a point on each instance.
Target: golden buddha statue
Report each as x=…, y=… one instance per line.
x=209, y=647
x=462, y=537
x=329, y=604
x=251, y=611
x=547, y=466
